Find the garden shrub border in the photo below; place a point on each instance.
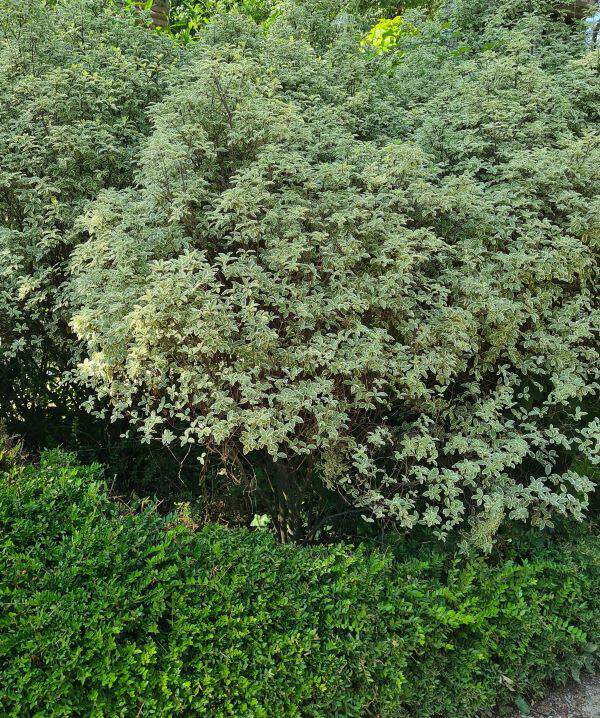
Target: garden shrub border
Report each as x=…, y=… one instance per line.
x=114, y=610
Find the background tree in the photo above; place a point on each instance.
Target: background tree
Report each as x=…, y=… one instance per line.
x=160, y=13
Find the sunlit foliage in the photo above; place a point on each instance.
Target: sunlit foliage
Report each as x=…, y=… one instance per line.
x=75, y=81
x=403, y=308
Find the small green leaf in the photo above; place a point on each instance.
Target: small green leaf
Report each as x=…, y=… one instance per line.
x=522, y=705
x=260, y=521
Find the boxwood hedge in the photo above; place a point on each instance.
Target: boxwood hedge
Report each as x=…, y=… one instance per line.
x=108, y=610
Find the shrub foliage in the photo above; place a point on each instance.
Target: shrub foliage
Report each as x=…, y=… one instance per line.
x=75, y=81
x=373, y=269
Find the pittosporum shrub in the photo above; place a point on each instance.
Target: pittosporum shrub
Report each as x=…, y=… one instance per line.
x=403, y=310
x=108, y=610
x=76, y=77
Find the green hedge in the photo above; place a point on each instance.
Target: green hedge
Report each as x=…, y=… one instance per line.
x=107, y=611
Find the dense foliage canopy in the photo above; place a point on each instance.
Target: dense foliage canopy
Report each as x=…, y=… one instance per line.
x=375, y=269
x=75, y=82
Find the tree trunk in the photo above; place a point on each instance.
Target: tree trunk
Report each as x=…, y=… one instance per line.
x=287, y=492
x=160, y=13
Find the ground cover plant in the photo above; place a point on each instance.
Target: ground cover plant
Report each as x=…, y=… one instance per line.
x=109, y=610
